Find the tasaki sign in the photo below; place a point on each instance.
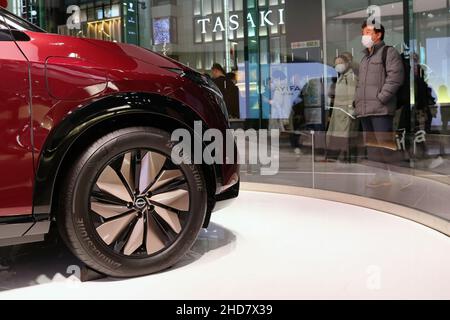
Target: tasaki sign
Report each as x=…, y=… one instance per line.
x=219, y=23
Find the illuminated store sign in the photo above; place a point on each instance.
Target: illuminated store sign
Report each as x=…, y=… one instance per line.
x=130, y=17
x=218, y=23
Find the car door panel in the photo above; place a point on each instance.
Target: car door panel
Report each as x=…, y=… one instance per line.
x=16, y=153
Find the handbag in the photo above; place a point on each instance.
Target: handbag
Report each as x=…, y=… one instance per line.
x=390, y=140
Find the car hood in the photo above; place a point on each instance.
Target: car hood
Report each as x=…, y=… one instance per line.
x=102, y=53
x=138, y=53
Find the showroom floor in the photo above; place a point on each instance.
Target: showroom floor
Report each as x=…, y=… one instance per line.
x=267, y=246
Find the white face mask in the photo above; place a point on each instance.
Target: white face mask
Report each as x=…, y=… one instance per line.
x=340, y=68
x=367, y=41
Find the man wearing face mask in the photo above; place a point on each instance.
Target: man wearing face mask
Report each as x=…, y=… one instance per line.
x=375, y=98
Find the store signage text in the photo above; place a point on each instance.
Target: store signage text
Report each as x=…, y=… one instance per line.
x=233, y=21
x=287, y=90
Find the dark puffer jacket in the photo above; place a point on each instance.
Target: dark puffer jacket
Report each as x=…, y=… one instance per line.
x=376, y=90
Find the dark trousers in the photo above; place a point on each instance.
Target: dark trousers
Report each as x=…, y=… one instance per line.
x=378, y=132
x=378, y=124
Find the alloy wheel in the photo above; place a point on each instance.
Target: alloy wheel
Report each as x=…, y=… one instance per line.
x=140, y=203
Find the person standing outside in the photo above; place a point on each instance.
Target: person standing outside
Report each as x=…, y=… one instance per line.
x=228, y=88
x=232, y=95
x=343, y=128
x=375, y=97
x=218, y=76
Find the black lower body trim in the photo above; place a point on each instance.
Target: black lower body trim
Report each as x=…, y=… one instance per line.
x=21, y=240
x=231, y=193
x=22, y=229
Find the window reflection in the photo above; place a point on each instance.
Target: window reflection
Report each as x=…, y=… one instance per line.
x=295, y=66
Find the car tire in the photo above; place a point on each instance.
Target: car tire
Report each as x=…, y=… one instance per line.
x=146, y=231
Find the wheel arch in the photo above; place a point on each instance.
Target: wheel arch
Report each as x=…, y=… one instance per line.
x=96, y=119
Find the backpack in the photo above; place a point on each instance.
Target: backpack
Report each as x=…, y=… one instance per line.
x=403, y=93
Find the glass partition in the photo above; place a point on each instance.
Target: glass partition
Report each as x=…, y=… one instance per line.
x=283, y=61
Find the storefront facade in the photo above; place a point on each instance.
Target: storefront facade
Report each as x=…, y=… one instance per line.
x=283, y=55
x=257, y=38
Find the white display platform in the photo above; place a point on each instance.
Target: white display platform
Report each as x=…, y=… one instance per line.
x=268, y=246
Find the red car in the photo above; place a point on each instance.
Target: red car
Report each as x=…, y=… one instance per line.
x=85, y=131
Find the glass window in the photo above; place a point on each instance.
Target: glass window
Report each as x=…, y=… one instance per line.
x=430, y=113
x=296, y=64
x=17, y=23
x=99, y=13
x=207, y=7
x=238, y=5
x=218, y=5
x=197, y=7
x=161, y=31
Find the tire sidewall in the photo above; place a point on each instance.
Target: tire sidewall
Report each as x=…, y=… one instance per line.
x=91, y=164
